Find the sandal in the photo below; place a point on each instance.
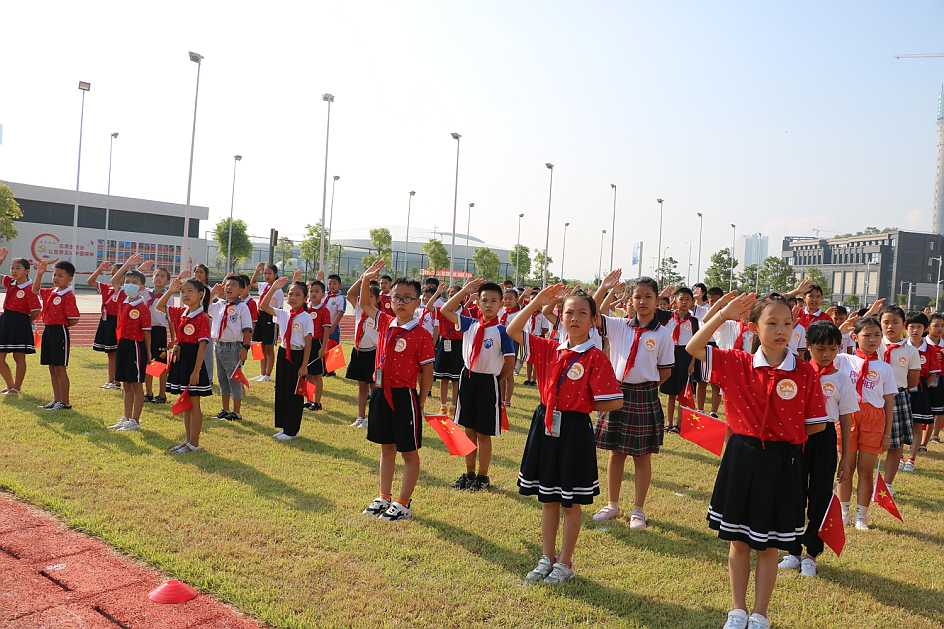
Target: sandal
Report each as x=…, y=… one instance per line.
x=935, y=440
x=160, y=399
x=178, y=448
x=148, y=398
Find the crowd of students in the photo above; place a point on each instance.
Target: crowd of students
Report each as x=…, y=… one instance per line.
x=811, y=398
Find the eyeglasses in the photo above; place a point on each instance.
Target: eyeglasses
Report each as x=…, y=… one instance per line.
x=403, y=300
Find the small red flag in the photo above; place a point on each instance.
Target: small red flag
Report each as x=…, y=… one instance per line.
x=453, y=436
x=703, y=430
x=305, y=389
x=883, y=497
x=155, y=369
x=330, y=344
x=686, y=399
x=257, y=353
x=504, y=418
x=832, y=531
x=334, y=359
x=183, y=403
x=240, y=377
x=37, y=339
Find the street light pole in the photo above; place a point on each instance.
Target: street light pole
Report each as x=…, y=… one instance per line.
x=757, y=268
x=731, y=277
x=600, y=268
x=612, y=228
x=564, y=250
x=688, y=277
x=701, y=223
x=328, y=98
x=660, y=201
x=185, y=257
x=518, y=250
x=229, y=247
x=547, y=237
x=406, y=258
x=331, y=220
x=111, y=146
x=468, y=226
x=84, y=87
x=455, y=205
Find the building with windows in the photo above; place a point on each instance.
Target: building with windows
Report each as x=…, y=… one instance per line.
x=110, y=227
x=750, y=250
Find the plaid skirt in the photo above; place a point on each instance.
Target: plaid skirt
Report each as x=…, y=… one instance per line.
x=902, y=432
x=636, y=429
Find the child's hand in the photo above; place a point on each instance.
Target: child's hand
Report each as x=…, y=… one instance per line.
x=135, y=258
x=845, y=470
x=612, y=279
x=184, y=275
x=279, y=283
x=297, y=276
x=320, y=275
x=4, y=252
x=668, y=291
x=804, y=286
x=101, y=267
x=147, y=264
x=260, y=266
x=195, y=378
x=548, y=295
x=849, y=324
x=831, y=311
x=528, y=291
x=875, y=307
x=243, y=355
x=374, y=270
x=303, y=371
x=739, y=307
x=217, y=290
x=727, y=298
x=472, y=286
x=41, y=267
x=174, y=285
x=796, y=312
x=619, y=288
x=321, y=352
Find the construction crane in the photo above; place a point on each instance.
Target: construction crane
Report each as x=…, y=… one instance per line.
x=924, y=55
x=818, y=231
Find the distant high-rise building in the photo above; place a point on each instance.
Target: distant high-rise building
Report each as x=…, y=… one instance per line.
x=750, y=250
x=938, y=224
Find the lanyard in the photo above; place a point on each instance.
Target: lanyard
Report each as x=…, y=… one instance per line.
x=564, y=375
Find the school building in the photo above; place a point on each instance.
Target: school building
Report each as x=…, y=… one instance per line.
x=871, y=266
x=152, y=228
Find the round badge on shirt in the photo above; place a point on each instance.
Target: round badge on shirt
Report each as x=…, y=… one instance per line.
x=231, y=310
x=829, y=389
x=296, y=326
x=134, y=314
x=872, y=376
x=20, y=294
x=58, y=300
x=189, y=329
x=787, y=389
x=369, y=324
x=650, y=344
x=902, y=361
x=400, y=346
x=923, y=359
x=575, y=372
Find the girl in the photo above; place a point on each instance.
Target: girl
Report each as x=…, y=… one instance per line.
x=265, y=331
x=320, y=327
x=559, y=462
x=188, y=369
x=20, y=308
x=293, y=355
x=871, y=430
x=202, y=273
x=448, y=342
x=363, y=354
x=773, y=401
x=936, y=340
x=159, y=337
x=106, y=337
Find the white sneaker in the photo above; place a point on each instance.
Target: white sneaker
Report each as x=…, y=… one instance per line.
x=396, y=512
x=284, y=437
x=891, y=492
x=807, y=567
x=357, y=422
x=845, y=516
x=363, y=423
x=861, y=524
x=117, y=425
x=377, y=507
x=737, y=619
x=909, y=467
x=256, y=379
x=609, y=512
x=756, y=621
x=111, y=386
x=131, y=424
x=278, y=434
x=560, y=574
x=544, y=568
x=265, y=379
x=901, y=464
x=637, y=519
x=790, y=562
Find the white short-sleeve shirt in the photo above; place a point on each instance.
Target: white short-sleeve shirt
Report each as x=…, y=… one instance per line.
x=840, y=393
x=903, y=359
x=302, y=326
x=879, y=382
x=657, y=350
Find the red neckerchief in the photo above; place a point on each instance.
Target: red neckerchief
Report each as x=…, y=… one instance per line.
x=864, y=370
x=888, y=351
x=224, y=316
x=504, y=318
x=287, y=342
x=478, y=340
x=397, y=332
x=360, y=330
x=774, y=375
x=184, y=320
x=638, y=331
x=739, y=341
x=677, y=332
x=264, y=291
x=822, y=371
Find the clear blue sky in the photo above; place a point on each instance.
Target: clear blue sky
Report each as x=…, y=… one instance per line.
x=776, y=117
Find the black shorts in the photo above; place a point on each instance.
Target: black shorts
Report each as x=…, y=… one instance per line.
x=55, y=349
x=159, y=343
x=361, y=367
x=131, y=361
x=401, y=425
x=315, y=364
x=479, y=406
x=675, y=383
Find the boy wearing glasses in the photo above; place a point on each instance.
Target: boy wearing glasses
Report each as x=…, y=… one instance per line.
x=404, y=354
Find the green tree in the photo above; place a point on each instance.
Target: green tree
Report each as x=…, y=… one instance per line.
x=414, y=271
x=853, y=301
x=436, y=254
x=871, y=230
x=719, y=272
x=381, y=240
x=284, y=251
x=486, y=263
x=748, y=280
x=816, y=276
x=666, y=274
x=537, y=266
x=901, y=299
x=9, y=209
x=776, y=275
x=242, y=245
x=310, y=247
x=520, y=256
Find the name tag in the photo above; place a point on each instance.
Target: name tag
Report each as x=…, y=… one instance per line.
x=377, y=377
x=555, y=425
x=447, y=345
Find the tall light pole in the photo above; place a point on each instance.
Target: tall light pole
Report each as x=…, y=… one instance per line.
x=185, y=252
x=111, y=145
x=334, y=182
x=701, y=223
x=612, y=228
x=518, y=250
x=232, y=202
x=468, y=225
x=600, y=268
x=328, y=98
x=84, y=87
x=455, y=205
x=659, y=201
x=564, y=250
x=731, y=276
x=688, y=276
x=757, y=268
x=547, y=237
x=406, y=258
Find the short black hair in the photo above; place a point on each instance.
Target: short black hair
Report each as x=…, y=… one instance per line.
x=374, y=289
x=314, y=283
x=303, y=287
x=823, y=333
x=246, y=279
x=66, y=266
x=432, y=281
x=166, y=271
x=917, y=317
x=645, y=280
x=704, y=289
x=815, y=287
x=23, y=262
x=334, y=276
x=791, y=300
x=841, y=310
x=716, y=291
x=684, y=290
x=409, y=281
x=388, y=278
x=895, y=309
x=136, y=274
x=491, y=286
x=430, y=290
x=238, y=280
x=580, y=294
x=866, y=322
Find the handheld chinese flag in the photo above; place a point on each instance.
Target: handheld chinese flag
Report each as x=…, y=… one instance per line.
x=703, y=430
x=330, y=345
x=37, y=339
x=305, y=389
x=504, y=419
x=453, y=436
x=155, y=369
x=239, y=376
x=334, y=359
x=686, y=398
x=257, y=353
x=883, y=497
x=832, y=531
x=183, y=403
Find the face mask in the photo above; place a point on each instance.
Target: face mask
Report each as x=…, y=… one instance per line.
x=131, y=290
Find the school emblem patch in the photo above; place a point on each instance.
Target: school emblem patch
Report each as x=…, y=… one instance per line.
x=387, y=305
x=296, y=326
x=796, y=336
x=134, y=314
x=231, y=311
x=400, y=346
x=369, y=324
x=829, y=389
x=902, y=361
x=575, y=372
x=20, y=294
x=872, y=376
x=189, y=329
x=786, y=389
x=650, y=344
x=58, y=300
x=687, y=327
x=487, y=343
x=923, y=359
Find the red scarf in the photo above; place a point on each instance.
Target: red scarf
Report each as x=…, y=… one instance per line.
x=864, y=371
x=631, y=360
x=223, y=317
x=677, y=332
x=774, y=375
x=359, y=334
x=888, y=351
x=739, y=341
x=287, y=342
x=504, y=318
x=563, y=362
x=264, y=291
x=479, y=339
x=393, y=333
x=822, y=371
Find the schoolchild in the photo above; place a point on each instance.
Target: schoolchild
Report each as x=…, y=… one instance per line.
x=201, y=272
x=916, y=325
x=427, y=316
x=21, y=307
x=361, y=365
x=935, y=339
x=134, y=340
x=385, y=282
x=538, y=326
x=231, y=332
x=506, y=315
x=266, y=331
x=336, y=303
x=840, y=315
x=906, y=363
x=247, y=299
x=161, y=334
x=449, y=351
x=60, y=312
x=106, y=339
x=682, y=326
x=321, y=324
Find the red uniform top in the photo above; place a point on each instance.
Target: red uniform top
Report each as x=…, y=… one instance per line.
x=930, y=359
x=384, y=301
x=320, y=317
x=191, y=328
x=447, y=329
x=769, y=403
x=133, y=319
x=474, y=311
x=589, y=377
x=20, y=297
x=253, y=309
x=806, y=319
x=59, y=306
x=410, y=348
x=110, y=303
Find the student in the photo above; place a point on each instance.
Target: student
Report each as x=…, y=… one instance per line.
x=488, y=356
x=231, y=333
x=60, y=312
x=702, y=305
x=798, y=337
x=361, y=365
x=294, y=355
x=336, y=304
x=448, y=341
x=559, y=464
x=558, y=331
x=818, y=463
x=936, y=339
x=871, y=426
x=840, y=315
x=682, y=326
x=202, y=272
x=20, y=308
x=404, y=354
x=321, y=324
x=266, y=331
x=921, y=400
x=187, y=367
x=160, y=334
x=814, y=299
x=106, y=339
x=427, y=316
x=906, y=363
x=134, y=340
x=642, y=356
x=506, y=315
x=385, y=281
x=772, y=403
x=248, y=300
x=537, y=325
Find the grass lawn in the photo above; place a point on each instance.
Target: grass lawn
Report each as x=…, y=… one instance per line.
x=276, y=529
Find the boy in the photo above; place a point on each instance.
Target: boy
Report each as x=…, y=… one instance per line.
x=385, y=281
x=906, y=363
x=936, y=341
x=249, y=301
x=231, y=331
x=921, y=403
x=336, y=304
x=682, y=325
x=60, y=312
x=404, y=353
x=134, y=341
x=840, y=315
x=161, y=332
x=818, y=462
x=321, y=322
x=489, y=358
x=509, y=309
x=105, y=339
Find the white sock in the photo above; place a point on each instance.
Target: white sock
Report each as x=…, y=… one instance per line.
x=860, y=512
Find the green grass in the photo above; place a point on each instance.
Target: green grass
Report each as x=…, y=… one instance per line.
x=276, y=529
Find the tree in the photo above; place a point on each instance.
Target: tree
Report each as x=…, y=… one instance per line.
x=776, y=275
x=520, y=257
x=486, y=263
x=748, y=280
x=284, y=251
x=242, y=246
x=853, y=301
x=414, y=271
x=871, y=230
x=381, y=240
x=902, y=300
x=9, y=209
x=667, y=275
x=816, y=276
x=719, y=272
x=310, y=247
x=538, y=263
x=437, y=255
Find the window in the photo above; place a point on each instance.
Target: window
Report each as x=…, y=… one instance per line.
x=47, y=213
x=931, y=245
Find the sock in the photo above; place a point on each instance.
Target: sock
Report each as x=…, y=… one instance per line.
x=613, y=504
x=844, y=508
x=386, y=497
x=405, y=504
x=861, y=511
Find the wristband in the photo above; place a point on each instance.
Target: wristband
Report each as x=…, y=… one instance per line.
x=247, y=346
x=888, y=436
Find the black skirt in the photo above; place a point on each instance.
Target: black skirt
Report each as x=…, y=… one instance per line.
x=16, y=333
x=560, y=469
x=675, y=383
x=178, y=377
x=921, y=412
x=937, y=397
x=288, y=405
x=315, y=364
x=106, y=337
x=265, y=330
x=361, y=367
x=448, y=365
x=758, y=495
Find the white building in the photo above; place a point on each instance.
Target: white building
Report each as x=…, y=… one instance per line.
x=750, y=250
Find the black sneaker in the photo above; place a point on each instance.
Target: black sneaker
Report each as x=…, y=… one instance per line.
x=222, y=415
x=233, y=417
x=480, y=482
x=377, y=507
x=48, y=407
x=465, y=481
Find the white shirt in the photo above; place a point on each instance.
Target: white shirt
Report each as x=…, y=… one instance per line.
x=701, y=311
x=158, y=318
x=687, y=332
x=656, y=352
x=903, y=359
x=302, y=326
x=369, y=340
x=335, y=304
x=238, y=320
x=427, y=320
x=840, y=392
x=496, y=344
x=797, y=339
x=879, y=382
x=278, y=298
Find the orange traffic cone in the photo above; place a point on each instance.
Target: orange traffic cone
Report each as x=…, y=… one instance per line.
x=172, y=592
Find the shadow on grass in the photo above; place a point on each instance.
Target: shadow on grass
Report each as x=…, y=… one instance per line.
x=927, y=602
x=72, y=423
x=697, y=494
x=708, y=459
x=643, y=610
x=683, y=541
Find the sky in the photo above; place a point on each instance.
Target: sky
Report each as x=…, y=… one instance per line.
x=778, y=117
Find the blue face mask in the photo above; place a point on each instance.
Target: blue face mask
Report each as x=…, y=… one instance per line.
x=131, y=290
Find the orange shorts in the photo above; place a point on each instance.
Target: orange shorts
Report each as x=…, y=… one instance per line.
x=867, y=429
